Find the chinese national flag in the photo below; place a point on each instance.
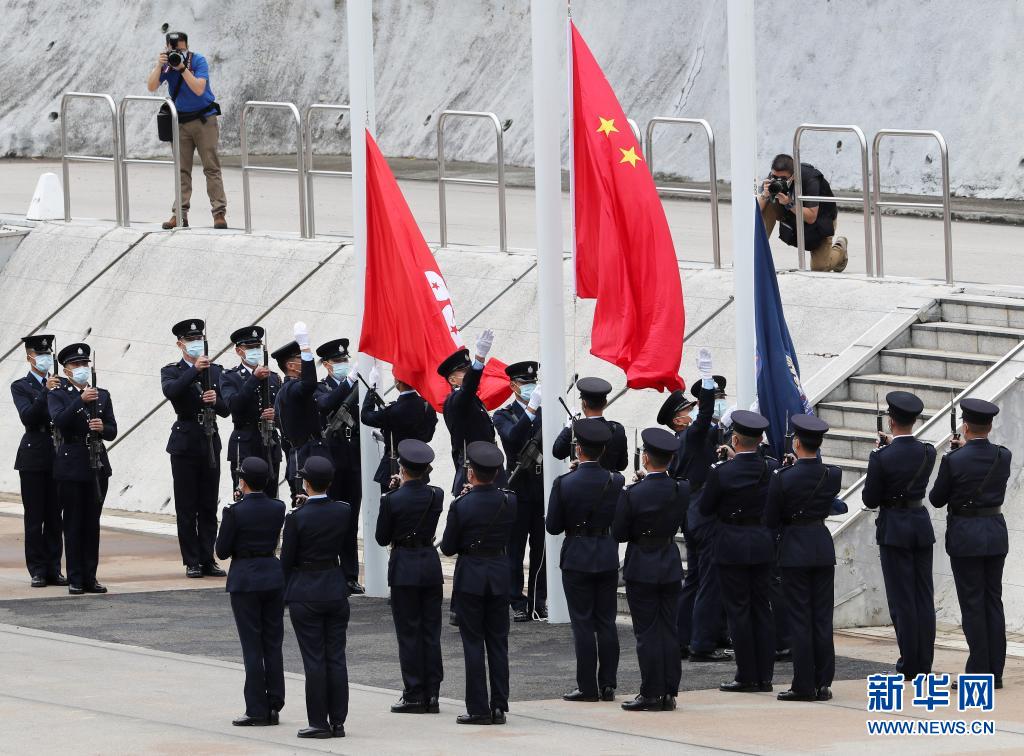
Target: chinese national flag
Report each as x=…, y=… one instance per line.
x=409, y=320
x=624, y=253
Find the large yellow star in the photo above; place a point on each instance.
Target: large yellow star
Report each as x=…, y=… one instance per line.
x=630, y=156
x=607, y=126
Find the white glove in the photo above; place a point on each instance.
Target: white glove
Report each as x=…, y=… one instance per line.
x=704, y=364
x=483, y=344
x=535, y=397
x=374, y=376
x=301, y=335
x=353, y=374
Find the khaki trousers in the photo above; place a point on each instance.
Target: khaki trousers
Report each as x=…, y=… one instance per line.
x=196, y=135
x=827, y=256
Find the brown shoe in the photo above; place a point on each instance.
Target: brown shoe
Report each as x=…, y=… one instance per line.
x=173, y=223
x=219, y=221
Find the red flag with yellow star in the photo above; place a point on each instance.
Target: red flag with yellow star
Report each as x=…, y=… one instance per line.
x=625, y=258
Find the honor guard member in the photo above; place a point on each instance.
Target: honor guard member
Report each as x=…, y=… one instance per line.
x=593, y=399
x=478, y=530
x=317, y=598
x=195, y=468
x=409, y=416
x=676, y=415
x=249, y=531
x=249, y=390
x=519, y=426
x=972, y=481
x=337, y=401
x=464, y=412
x=800, y=497
x=84, y=415
x=44, y=543
x=735, y=493
x=582, y=505
x=897, y=478
x=406, y=522
x=648, y=515
x=295, y=407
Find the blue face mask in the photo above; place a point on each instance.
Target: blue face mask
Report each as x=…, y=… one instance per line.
x=81, y=375
x=194, y=349
x=525, y=392
x=340, y=370
x=44, y=363
x=253, y=356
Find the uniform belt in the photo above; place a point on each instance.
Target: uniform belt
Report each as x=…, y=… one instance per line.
x=651, y=541
x=74, y=439
x=318, y=565
x=959, y=511
x=902, y=504
x=412, y=542
x=486, y=553
x=37, y=428
x=196, y=418
x=252, y=554
x=580, y=532
x=746, y=522
x=803, y=521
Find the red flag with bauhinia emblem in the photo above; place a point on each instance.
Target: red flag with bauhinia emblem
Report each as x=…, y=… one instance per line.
x=624, y=253
x=409, y=320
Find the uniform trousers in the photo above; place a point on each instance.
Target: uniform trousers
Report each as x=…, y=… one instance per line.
x=699, y=623
x=483, y=624
x=810, y=596
x=259, y=617
x=82, y=527
x=320, y=628
x=528, y=527
x=196, y=486
x=592, y=599
x=416, y=610
x=746, y=595
x=653, y=608
x=44, y=542
x=979, y=589
x=911, y=596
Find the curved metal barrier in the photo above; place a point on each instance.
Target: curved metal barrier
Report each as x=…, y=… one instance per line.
x=635, y=127
x=299, y=170
x=66, y=158
x=175, y=156
x=864, y=198
x=711, y=193
x=307, y=131
x=443, y=180
x=944, y=205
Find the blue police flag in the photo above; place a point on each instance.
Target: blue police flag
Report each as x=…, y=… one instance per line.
x=779, y=393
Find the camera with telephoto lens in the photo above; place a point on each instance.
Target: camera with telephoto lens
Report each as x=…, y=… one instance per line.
x=777, y=186
x=176, y=58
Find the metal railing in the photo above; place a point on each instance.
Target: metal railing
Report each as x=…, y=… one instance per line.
x=711, y=193
x=443, y=180
x=310, y=171
x=66, y=157
x=944, y=205
x=636, y=132
x=299, y=170
x=864, y=198
x=175, y=160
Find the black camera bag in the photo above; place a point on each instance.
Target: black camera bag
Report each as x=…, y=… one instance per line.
x=164, y=122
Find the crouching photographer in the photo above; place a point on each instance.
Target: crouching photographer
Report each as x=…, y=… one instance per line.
x=778, y=201
x=188, y=82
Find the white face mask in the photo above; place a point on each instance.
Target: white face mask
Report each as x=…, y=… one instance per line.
x=44, y=363
x=253, y=356
x=340, y=370
x=81, y=374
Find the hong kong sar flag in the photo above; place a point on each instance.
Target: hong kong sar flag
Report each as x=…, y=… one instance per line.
x=409, y=320
x=624, y=253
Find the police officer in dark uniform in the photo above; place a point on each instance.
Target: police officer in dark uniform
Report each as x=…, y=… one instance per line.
x=800, y=497
x=593, y=399
x=84, y=415
x=195, y=471
x=317, y=597
x=409, y=416
x=676, y=415
x=339, y=393
x=582, y=505
x=648, y=515
x=250, y=389
x=44, y=542
x=478, y=530
x=407, y=521
x=519, y=427
x=898, y=473
x=249, y=531
x=972, y=481
x=735, y=493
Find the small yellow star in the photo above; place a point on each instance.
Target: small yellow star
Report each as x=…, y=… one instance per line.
x=607, y=126
x=630, y=156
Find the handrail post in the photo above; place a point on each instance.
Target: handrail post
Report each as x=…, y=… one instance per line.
x=66, y=157
x=175, y=161
x=300, y=161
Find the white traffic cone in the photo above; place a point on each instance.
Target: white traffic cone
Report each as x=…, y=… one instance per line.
x=48, y=201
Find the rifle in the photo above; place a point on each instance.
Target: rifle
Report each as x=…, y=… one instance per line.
x=787, y=448
x=374, y=396
x=344, y=416
x=953, y=429
x=572, y=431
x=393, y=455
x=532, y=453
x=95, y=442
x=209, y=413
x=721, y=453
x=266, y=426
x=55, y=434
x=878, y=424
x=636, y=455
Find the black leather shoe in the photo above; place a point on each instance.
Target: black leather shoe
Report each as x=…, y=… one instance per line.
x=453, y=619
x=718, y=655
x=783, y=654
x=999, y=683
x=521, y=615
x=474, y=719
x=668, y=703
x=246, y=721
x=354, y=588
x=57, y=579
x=739, y=687
x=498, y=716
x=76, y=590
x=684, y=652
x=315, y=732
x=274, y=718
x=542, y=613
x=433, y=707
x=337, y=731
x=38, y=581
x=764, y=687
x=193, y=571
x=792, y=695
x=578, y=695
x=608, y=693
x=824, y=693
x=406, y=706
x=96, y=588
x=213, y=570
x=645, y=703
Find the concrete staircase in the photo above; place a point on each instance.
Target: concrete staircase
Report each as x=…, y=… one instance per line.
x=934, y=358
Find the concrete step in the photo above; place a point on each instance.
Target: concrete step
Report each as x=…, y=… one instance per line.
x=848, y=443
x=935, y=363
x=965, y=337
x=981, y=311
x=853, y=469
x=934, y=392
x=856, y=415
